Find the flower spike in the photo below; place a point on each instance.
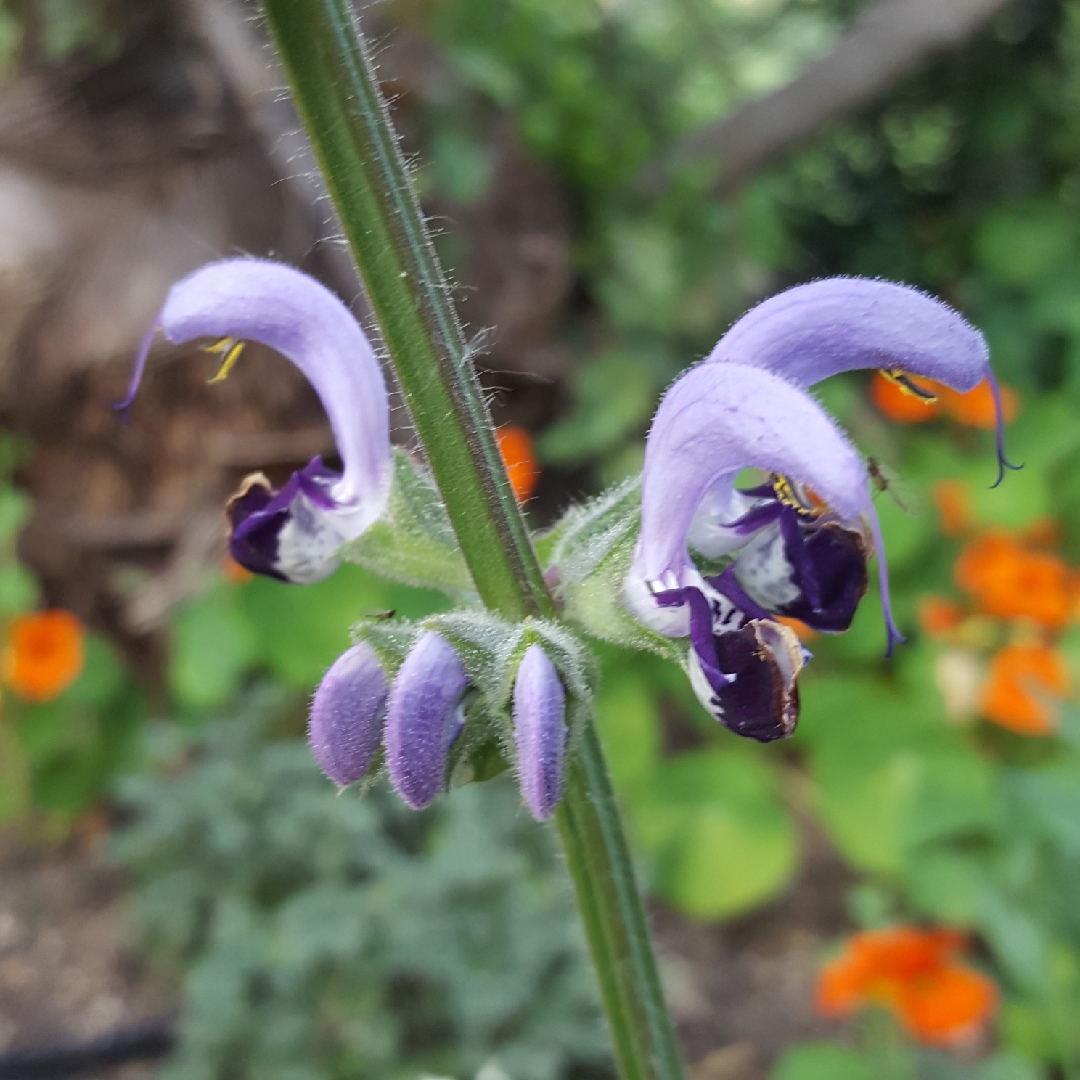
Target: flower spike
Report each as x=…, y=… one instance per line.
x=841, y=324
x=293, y=534
x=540, y=731
x=424, y=716
x=347, y=715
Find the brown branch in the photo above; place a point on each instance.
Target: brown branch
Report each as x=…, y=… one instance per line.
x=891, y=39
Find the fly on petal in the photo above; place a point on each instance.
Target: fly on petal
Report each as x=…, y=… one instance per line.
x=424, y=716
x=347, y=714
x=540, y=731
x=293, y=534
x=841, y=324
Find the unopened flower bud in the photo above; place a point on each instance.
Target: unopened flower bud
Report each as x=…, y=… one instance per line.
x=540, y=730
x=424, y=716
x=347, y=715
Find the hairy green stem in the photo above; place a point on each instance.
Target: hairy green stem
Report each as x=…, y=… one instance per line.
x=338, y=97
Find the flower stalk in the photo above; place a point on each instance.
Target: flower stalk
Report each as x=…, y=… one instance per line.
x=337, y=94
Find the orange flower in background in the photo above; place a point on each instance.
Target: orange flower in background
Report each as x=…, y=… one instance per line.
x=976, y=408
x=44, y=654
x=916, y=975
x=1009, y=581
x=973, y=409
x=953, y=501
x=1023, y=682
x=900, y=406
x=937, y=616
x=516, y=448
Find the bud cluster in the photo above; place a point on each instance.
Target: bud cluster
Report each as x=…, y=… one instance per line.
x=454, y=698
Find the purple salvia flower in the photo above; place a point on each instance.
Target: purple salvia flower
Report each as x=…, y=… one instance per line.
x=807, y=565
x=424, y=716
x=716, y=420
x=347, y=713
x=743, y=666
x=813, y=331
x=540, y=731
x=295, y=533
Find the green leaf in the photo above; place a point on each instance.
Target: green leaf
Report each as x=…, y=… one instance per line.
x=14, y=512
x=18, y=589
x=628, y=720
x=1006, y=1066
x=614, y=396
x=1018, y=941
x=906, y=534
x=823, y=1061
x=102, y=677
x=865, y=776
x=1019, y=242
x=721, y=837
x=413, y=542
x=944, y=885
x=888, y=772
x=213, y=645
x=302, y=629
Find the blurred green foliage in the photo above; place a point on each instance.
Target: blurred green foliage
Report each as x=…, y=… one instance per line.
x=325, y=936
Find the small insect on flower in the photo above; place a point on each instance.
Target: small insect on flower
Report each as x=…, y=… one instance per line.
x=916, y=975
x=904, y=494
x=44, y=654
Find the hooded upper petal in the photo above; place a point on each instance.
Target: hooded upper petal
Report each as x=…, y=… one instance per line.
x=423, y=718
x=347, y=712
x=841, y=324
x=813, y=331
x=717, y=420
x=258, y=300
x=540, y=731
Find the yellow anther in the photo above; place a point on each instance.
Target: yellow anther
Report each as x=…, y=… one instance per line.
x=908, y=385
x=229, y=349
x=792, y=494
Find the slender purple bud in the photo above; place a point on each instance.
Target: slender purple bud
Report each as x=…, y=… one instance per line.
x=423, y=718
x=347, y=715
x=540, y=730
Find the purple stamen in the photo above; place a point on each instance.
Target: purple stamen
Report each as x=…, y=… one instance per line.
x=999, y=428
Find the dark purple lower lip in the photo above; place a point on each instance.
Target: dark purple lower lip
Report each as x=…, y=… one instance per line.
x=258, y=515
